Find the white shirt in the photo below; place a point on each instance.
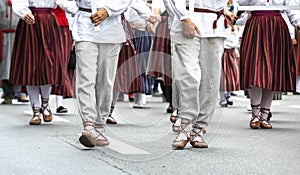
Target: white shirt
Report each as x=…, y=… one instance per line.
x=137, y=14
x=111, y=30
x=204, y=21
x=21, y=7
x=294, y=15
x=232, y=39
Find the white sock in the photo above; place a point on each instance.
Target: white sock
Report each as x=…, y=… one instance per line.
x=45, y=92
x=59, y=100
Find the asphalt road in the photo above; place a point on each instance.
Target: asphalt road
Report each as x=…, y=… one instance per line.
x=141, y=142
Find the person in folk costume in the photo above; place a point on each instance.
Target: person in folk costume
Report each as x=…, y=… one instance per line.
x=8, y=24
x=198, y=35
x=297, y=53
x=143, y=40
x=159, y=64
x=97, y=51
x=37, y=57
x=230, y=80
x=128, y=79
x=66, y=41
x=264, y=70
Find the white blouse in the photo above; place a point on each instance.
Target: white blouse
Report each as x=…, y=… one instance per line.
x=21, y=7
x=294, y=15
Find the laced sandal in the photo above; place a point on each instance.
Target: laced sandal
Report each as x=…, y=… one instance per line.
x=111, y=120
x=87, y=138
x=264, y=124
x=180, y=144
x=197, y=140
x=176, y=126
x=45, y=106
x=101, y=140
x=173, y=117
x=36, y=119
x=255, y=120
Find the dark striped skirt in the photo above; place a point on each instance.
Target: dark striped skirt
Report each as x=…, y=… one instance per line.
x=66, y=40
x=297, y=54
x=230, y=79
x=267, y=58
x=143, y=42
x=37, y=56
x=160, y=63
x=128, y=78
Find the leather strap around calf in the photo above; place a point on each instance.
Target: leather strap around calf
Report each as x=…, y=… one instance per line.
x=218, y=13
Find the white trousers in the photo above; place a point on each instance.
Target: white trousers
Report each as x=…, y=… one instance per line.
x=196, y=68
x=95, y=75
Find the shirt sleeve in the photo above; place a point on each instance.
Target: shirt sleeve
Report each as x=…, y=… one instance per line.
x=21, y=8
x=294, y=15
x=141, y=8
x=116, y=7
x=180, y=9
x=68, y=6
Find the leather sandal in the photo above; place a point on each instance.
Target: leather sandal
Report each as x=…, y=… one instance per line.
x=47, y=118
x=255, y=124
x=180, y=144
x=36, y=119
x=87, y=138
x=173, y=118
x=264, y=123
x=101, y=140
x=197, y=140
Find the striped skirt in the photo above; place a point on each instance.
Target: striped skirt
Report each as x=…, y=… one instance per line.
x=266, y=53
x=297, y=54
x=143, y=42
x=66, y=89
x=230, y=79
x=37, y=57
x=160, y=63
x=128, y=78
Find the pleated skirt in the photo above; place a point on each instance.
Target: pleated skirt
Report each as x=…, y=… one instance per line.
x=143, y=42
x=37, y=57
x=160, y=63
x=297, y=54
x=230, y=79
x=66, y=89
x=128, y=79
x=266, y=53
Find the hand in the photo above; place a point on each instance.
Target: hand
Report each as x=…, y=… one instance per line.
x=150, y=28
x=189, y=28
x=99, y=17
x=294, y=41
x=29, y=18
x=154, y=18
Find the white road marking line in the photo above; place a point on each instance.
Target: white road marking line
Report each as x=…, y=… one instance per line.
x=55, y=117
x=124, y=148
x=295, y=106
x=274, y=102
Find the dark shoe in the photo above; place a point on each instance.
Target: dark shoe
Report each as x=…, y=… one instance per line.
x=223, y=104
x=170, y=109
x=111, y=120
x=7, y=101
x=296, y=93
x=61, y=109
x=23, y=99
x=269, y=116
x=265, y=125
x=233, y=94
x=180, y=144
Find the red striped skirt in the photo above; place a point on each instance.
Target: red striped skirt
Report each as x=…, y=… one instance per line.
x=160, y=64
x=128, y=78
x=37, y=53
x=230, y=79
x=267, y=58
x=66, y=40
x=297, y=50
